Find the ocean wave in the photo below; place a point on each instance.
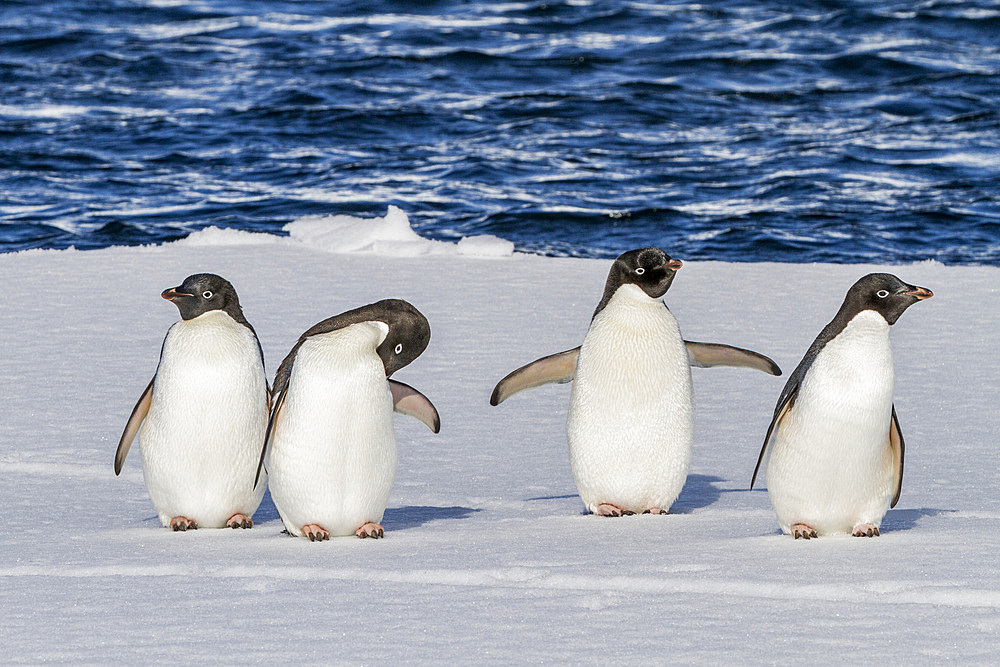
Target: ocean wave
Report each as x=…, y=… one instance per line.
x=733, y=130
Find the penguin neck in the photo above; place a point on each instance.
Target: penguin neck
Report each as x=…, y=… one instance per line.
x=628, y=298
x=211, y=318
x=862, y=344
x=630, y=312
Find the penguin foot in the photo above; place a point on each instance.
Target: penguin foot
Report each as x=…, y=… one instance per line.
x=372, y=530
x=655, y=510
x=607, y=509
x=315, y=532
x=239, y=521
x=865, y=530
x=803, y=531
x=182, y=523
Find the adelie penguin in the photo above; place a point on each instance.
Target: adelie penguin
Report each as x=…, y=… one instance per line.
x=330, y=451
x=631, y=420
x=834, y=450
x=202, y=418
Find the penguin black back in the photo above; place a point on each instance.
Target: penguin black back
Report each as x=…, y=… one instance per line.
x=409, y=334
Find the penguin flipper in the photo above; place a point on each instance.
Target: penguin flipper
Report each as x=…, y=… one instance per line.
x=898, y=447
x=784, y=405
x=555, y=368
x=408, y=401
x=278, y=402
x=706, y=355
x=139, y=413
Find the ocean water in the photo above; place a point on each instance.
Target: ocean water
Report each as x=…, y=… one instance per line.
x=745, y=130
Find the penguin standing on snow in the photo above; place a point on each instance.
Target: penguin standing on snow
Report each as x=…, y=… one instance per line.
x=631, y=419
x=834, y=448
x=331, y=446
x=204, y=414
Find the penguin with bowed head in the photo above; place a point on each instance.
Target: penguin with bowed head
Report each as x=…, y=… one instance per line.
x=202, y=418
x=834, y=449
x=330, y=449
x=631, y=420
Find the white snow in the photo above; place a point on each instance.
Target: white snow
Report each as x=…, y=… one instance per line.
x=389, y=235
x=487, y=556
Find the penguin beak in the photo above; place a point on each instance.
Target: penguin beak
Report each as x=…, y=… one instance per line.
x=173, y=293
x=673, y=264
x=919, y=292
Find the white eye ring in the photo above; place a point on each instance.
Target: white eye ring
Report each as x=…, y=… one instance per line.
x=207, y=294
x=882, y=293
x=399, y=348
x=640, y=271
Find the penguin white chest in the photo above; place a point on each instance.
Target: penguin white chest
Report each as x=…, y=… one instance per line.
x=630, y=424
x=332, y=459
x=830, y=465
x=207, y=417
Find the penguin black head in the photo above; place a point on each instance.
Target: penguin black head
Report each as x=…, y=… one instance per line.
x=884, y=293
x=204, y=292
x=409, y=333
x=650, y=269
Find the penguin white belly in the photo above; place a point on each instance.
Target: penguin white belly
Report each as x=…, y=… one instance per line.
x=830, y=464
x=631, y=424
x=332, y=459
x=206, y=422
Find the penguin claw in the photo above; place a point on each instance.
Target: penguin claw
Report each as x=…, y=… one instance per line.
x=315, y=532
x=239, y=521
x=182, y=523
x=803, y=531
x=607, y=509
x=865, y=530
x=372, y=530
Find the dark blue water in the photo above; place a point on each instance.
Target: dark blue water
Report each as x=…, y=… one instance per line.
x=733, y=130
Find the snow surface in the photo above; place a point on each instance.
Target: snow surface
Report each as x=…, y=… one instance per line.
x=488, y=557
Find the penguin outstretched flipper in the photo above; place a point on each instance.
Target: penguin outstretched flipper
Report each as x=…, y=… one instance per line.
x=408, y=401
x=560, y=368
x=557, y=368
x=706, y=355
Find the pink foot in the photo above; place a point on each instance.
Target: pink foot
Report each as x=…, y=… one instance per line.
x=803, y=531
x=182, y=523
x=372, y=530
x=655, y=510
x=607, y=509
x=865, y=530
x=315, y=532
x=239, y=521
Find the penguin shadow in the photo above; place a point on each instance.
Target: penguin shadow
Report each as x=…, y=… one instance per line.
x=909, y=518
x=267, y=511
x=699, y=492
x=412, y=516
x=395, y=518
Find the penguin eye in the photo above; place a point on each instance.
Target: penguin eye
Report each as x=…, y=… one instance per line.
x=399, y=348
x=207, y=294
x=882, y=293
x=640, y=271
